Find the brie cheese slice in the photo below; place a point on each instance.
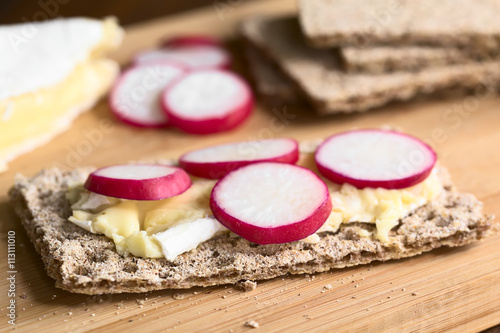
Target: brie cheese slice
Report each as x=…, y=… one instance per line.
x=49, y=73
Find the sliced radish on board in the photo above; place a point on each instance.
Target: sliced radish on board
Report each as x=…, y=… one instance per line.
x=135, y=97
x=190, y=41
x=138, y=181
x=192, y=56
x=271, y=203
x=375, y=158
x=216, y=161
x=207, y=101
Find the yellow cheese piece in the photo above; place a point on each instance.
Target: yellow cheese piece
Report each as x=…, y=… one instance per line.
x=121, y=219
x=131, y=224
x=111, y=40
x=380, y=206
x=333, y=222
x=187, y=207
x=82, y=215
x=140, y=244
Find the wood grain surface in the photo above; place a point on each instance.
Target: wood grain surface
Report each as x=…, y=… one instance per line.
x=455, y=290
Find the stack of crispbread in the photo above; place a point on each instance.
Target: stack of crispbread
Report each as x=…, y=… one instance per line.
x=355, y=55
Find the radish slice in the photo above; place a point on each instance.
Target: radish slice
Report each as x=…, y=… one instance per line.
x=135, y=97
x=192, y=56
x=138, y=181
x=215, y=162
x=271, y=203
x=207, y=101
x=190, y=41
x=375, y=158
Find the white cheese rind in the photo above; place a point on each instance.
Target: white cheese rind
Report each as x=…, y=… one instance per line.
x=187, y=236
x=93, y=201
x=39, y=55
x=84, y=224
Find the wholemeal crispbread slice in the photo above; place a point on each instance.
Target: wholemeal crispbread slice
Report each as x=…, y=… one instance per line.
x=271, y=84
x=468, y=24
x=330, y=89
x=277, y=89
x=87, y=263
x=384, y=59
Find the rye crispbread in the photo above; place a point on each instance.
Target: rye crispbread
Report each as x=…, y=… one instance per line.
x=384, y=59
x=320, y=75
x=277, y=89
x=87, y=263
x=470, y=24
x=271, y=84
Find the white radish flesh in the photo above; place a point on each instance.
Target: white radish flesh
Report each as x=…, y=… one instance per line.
x=375, y=158
x=216, y=161
x=269, y=203
x=135, y=97
x=191, y=56
x=207, y=101
x=139, y=181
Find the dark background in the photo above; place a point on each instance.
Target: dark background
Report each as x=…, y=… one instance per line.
x=127, y=11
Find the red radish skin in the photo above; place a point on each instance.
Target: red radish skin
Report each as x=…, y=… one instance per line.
x=138, y=181
x=306, y=221
x=380, y=159
x=235, y=101
x=134, y=98
x=181, y=41
x=216, y=161
x=192, y=56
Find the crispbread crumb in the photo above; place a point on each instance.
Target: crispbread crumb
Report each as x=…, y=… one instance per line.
x=246, y=285
x=178, y=296
x=252, y=324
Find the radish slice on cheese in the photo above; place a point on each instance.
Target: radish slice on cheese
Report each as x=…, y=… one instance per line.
x=216, y=161
x=271, y=203
x=139, y=181
x=207, y=101
x=191, y=40
x=375, y=158
x=192, y=56
x=135, y=97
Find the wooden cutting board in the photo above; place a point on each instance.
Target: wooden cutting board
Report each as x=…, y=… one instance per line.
x=445, y=290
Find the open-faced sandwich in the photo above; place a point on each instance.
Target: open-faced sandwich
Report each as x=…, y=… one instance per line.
x=245, y=211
